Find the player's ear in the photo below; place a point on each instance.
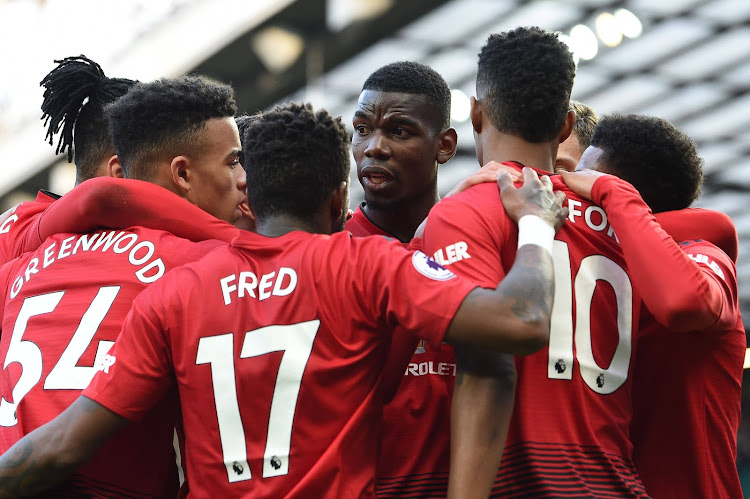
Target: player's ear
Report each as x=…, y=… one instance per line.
x=179, y=169
x=476, y=115
x=247, y=221
x=114, y=168
x=447, y=143
x=570, y=122
x=339, y=197
x=247, y=210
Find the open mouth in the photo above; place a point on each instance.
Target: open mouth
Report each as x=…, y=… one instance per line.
x=378, y=179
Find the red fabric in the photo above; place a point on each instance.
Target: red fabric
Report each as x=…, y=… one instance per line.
x=688, y=371
x=686, y=301
x=361, y=226
x=15, y=230
x=697, y=223
x=415, y=445
x=359, y=289
x=62, y=304
x=119, y=203
x=569, y=434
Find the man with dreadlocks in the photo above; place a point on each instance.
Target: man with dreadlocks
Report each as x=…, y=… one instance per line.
x=251, y=334
x=64, y=313
x=76, y=92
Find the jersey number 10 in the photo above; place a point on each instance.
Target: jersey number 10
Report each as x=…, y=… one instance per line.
x=593, y=268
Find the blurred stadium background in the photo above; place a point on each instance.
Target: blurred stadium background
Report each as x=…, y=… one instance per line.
x=685, y=60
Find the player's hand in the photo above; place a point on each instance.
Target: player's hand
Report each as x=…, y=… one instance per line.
x=534, y=197
x=582, y=181
x=488, y=173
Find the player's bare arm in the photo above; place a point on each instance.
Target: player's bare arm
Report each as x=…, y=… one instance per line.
x=480, y=416
x=485, y=381
x=515, y=317
x=51, y=453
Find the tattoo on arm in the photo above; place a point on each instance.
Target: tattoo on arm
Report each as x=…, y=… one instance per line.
x=17, y=467
x=530, y=285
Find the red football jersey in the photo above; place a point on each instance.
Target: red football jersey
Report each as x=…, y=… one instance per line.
x=277, y=346
x=14, y=229
x=415, y=445
x=361, y=226
x=63, y=308
x=119, y=203
x=687, y=385
x=569, y=433
x=699, y=223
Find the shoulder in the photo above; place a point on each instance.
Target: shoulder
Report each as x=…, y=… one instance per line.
x=46, y=197
x=697, y=223
x=480, y=194
x=709, y=255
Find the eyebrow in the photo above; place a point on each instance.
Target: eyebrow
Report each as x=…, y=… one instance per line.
x=235, y=152
x=402, y=120
x=398, y=119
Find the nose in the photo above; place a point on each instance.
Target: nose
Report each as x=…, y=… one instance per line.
x=241, y=179
x=377, y=146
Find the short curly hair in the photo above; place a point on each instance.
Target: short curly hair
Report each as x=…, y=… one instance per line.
x=524, y=81
x=656, y=157
x=162, y=119
x=414, y=78
x=294, y=158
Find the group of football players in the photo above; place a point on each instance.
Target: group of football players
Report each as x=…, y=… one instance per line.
x=202, y=315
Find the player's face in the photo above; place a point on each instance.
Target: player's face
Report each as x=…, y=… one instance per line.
x=217, y=180
x=395, y=145
x=568, y=154
x=590, y=159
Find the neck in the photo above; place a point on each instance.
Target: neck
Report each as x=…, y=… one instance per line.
x=402, y=220
x=281, y=224
x=497, y=146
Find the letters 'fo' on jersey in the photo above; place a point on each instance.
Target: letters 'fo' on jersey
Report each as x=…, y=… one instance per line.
x=277, y=347
x=63, y=306
x=569, y=431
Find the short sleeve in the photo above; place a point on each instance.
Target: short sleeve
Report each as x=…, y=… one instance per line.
x=463, y=234
x=717, y=266
x=137, y=372
x=408, y=291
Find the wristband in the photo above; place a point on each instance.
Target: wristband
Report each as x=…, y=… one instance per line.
x=534, y=230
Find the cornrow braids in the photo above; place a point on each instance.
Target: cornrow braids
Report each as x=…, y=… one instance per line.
x=76, y=92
